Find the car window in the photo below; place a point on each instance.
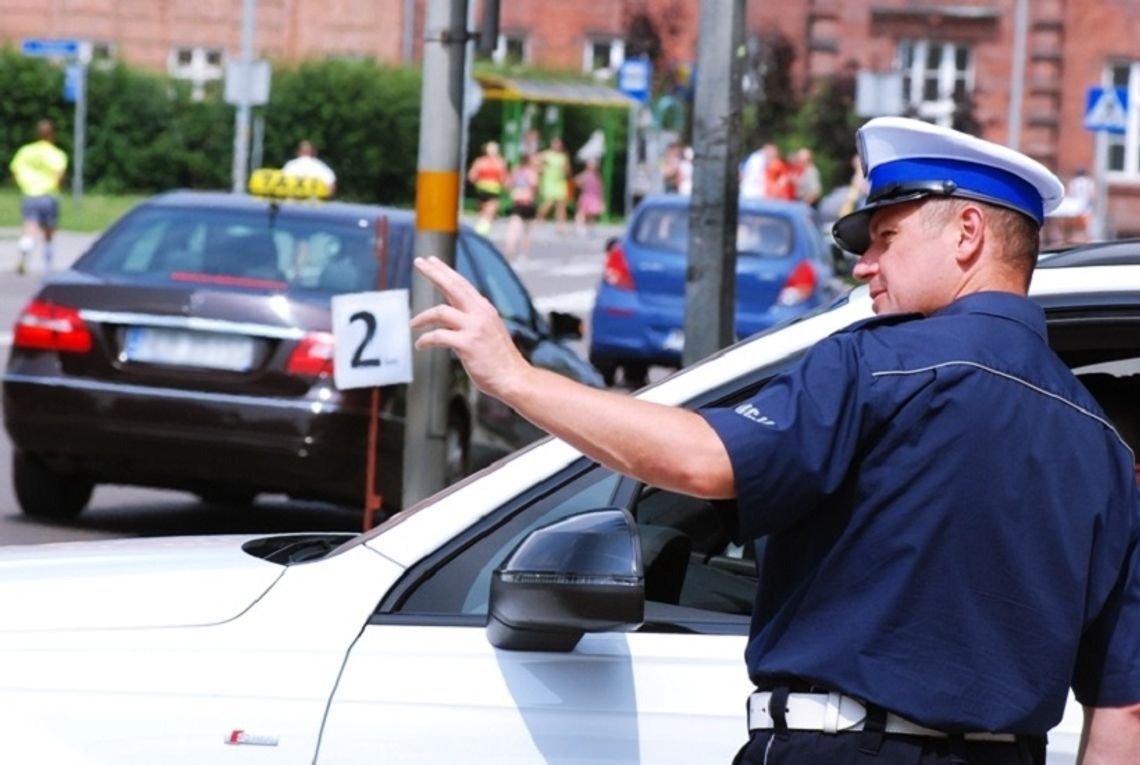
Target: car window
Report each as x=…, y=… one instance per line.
x=756, y=233
x=248, y=247
x=463, y=585
x=497, y=281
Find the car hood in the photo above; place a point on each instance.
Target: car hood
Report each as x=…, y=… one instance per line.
x=130, y=583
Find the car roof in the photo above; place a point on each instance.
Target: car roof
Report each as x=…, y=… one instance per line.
x=1124, y=252
x=763, y=205
x=221, y=200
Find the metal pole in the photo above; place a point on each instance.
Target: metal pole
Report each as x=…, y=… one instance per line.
x=241, y=124
x=711, y=276
x=633, y=146
x=80, y=133
x=437, y=225
x=1017, y=75
x=1100, y=189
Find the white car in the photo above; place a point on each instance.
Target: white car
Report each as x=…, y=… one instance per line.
x=545, y=610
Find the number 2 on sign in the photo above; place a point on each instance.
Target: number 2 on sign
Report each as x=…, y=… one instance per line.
x=372, y=339
x=369, y=320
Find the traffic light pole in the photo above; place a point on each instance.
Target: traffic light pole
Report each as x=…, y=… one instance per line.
x=438, y=187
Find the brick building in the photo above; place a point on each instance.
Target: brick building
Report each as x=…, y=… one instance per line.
x=944, y=52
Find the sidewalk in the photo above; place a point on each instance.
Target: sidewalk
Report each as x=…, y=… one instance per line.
x=69, y=245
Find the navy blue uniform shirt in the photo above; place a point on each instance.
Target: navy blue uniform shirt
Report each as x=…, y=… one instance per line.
x=953, y=525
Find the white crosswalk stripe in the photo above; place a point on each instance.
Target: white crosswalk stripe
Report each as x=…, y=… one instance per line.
x=580, y=302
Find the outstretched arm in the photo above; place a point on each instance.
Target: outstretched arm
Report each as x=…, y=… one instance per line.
x=1111, y=736
x=662, y=445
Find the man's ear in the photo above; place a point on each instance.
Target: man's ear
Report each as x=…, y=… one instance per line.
x=971, y=232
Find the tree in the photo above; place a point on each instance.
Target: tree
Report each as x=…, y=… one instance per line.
x=769, y=99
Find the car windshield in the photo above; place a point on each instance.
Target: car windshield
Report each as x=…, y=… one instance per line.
x=249, y=248
x=756, y=233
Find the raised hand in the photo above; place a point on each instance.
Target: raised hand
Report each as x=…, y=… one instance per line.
x=470, y=326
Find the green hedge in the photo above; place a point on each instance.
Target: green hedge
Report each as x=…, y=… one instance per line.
x=146, y=134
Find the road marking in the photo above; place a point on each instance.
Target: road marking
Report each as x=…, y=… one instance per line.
x=5, y=338
x=587, y=266
x=580, y=302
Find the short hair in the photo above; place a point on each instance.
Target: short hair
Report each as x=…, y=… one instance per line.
x=1018, y=235
x=45, y=129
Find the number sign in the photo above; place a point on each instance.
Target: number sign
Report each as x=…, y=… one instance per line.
x=373, y=342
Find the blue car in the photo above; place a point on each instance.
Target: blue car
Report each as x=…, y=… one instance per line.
x=783, y=268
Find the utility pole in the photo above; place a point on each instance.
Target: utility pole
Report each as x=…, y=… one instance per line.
x=1017, y=76
x=241, y=121
x=710, y=280
x=438, y=188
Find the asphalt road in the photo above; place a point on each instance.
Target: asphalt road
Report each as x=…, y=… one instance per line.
x=561, y=272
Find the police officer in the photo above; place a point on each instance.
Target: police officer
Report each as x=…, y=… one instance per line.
x=954, y=528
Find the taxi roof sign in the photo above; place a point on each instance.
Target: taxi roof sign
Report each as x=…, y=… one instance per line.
x=271, y=182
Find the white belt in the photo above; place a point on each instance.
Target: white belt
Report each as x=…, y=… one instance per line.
x=836, y=713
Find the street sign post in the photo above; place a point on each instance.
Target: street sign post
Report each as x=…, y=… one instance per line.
x=634, y=78
x=74, y=91
x=1106, y=112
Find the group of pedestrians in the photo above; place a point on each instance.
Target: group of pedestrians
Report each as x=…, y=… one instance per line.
x=539, y=186
x=765, y=174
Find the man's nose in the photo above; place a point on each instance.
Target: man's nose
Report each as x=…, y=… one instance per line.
x=864, y=268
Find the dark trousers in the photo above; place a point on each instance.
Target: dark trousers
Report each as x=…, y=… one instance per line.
x=818, y=748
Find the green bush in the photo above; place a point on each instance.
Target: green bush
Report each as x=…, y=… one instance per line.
x=145, y=133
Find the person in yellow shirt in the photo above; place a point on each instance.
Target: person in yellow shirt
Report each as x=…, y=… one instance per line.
x=39, y=168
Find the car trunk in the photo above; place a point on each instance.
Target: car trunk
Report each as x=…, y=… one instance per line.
x=174, y=336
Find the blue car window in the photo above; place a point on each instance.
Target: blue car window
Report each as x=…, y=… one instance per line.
x=663, y=229
x=667, y=229
x=765, y=235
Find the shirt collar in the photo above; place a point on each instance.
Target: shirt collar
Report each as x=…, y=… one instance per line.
x=1004, y=305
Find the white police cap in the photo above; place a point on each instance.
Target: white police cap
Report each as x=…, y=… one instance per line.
x=907, y=159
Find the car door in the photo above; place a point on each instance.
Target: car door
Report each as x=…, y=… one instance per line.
x=422, y=684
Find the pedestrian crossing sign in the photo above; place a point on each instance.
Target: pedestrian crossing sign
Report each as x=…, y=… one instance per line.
x=1107, y=109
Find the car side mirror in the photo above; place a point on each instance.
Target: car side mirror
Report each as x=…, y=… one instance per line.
x=577, y=575
x=565, y=326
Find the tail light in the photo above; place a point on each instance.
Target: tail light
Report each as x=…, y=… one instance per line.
x=48, y=327
x=617, y=273
x=313, y=356
x=799, y=287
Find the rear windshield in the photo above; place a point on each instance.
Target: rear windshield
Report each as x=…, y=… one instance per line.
x=756, y=233
x=248, y=248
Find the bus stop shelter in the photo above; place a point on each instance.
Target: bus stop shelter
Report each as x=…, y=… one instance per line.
x=519, y=98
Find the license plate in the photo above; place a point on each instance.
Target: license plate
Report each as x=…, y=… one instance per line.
x=674, y=341
x=187, y=348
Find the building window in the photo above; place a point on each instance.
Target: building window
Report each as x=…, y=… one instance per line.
x=603, y=56
x=510, y=50
x=200, y=66
x=1124, y=148
x=937, y=78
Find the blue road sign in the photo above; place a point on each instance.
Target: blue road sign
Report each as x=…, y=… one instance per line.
x=59, y=48
x=1107, y=109
x=634, y=78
